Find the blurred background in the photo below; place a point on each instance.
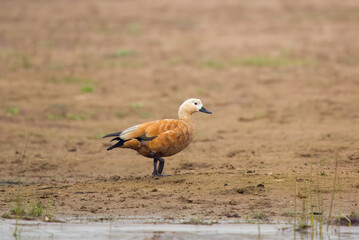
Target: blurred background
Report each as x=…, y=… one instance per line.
x=281, y=78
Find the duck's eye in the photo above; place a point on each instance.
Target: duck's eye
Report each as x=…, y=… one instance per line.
x=195, y=103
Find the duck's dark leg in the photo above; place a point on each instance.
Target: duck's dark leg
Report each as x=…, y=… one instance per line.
x=161, y=165
x=155, y=173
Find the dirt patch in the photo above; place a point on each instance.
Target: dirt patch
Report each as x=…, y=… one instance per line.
x=281, y=80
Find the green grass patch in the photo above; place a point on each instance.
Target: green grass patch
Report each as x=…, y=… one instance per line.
x=122, y=53
x=12, y=110
x=78, y=116
x=34, y=209
x=213, y=64
x=199, y=221
x=88, y=88
x=18, y=208
x=196, y=220
x=136, y=105
x=29, y=210
x=260, y=216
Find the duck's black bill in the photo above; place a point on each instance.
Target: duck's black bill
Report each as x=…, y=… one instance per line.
x=205, y=110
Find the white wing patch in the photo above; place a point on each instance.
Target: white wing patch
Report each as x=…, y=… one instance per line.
x=127, y=131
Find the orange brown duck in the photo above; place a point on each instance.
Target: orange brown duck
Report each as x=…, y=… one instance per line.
x=161, y=138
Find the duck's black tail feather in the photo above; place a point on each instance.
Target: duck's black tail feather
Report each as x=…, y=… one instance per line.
x=118, y=144
x=116, y=138
x=116, y=134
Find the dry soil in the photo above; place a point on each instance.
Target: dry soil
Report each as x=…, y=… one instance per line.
x=281, y=77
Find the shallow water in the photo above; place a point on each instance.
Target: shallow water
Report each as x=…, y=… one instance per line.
x=124, y=229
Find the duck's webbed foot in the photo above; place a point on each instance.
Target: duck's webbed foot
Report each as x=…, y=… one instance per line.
x=157, y=172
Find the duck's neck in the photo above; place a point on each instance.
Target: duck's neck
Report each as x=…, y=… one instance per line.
x=184, y=115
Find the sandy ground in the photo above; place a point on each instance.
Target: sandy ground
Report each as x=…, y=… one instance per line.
x=282, y=80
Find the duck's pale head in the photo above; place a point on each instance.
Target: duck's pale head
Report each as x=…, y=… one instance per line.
x=190, y=106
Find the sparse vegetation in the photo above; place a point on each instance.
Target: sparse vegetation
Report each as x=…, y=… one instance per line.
x=175, y=61
x=146, y=114
x=17, y=232
x=213, y=64
x=312, y=214
x=18, y=209
x=54, y=116
x=134, y=28
x=22, y=209
x=69, y=80
x=278, y=78
x=261, y=61
x=78, y=116
x=55, y=66
x=28, y=211
x=333, y=190
x=121, y=115
x=62, y=113
x=289, y=214
x=260, y=216
x=13, y=110
x=15, y=59
x=136, y=105
x=199, y=221
x=281, y=61
x=25, y=62
x=122, y=53
x=88, y=88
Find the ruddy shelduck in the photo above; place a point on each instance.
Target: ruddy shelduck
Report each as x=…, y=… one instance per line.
x=161, y=138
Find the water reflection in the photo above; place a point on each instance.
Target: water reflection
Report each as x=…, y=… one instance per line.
x=126, y=230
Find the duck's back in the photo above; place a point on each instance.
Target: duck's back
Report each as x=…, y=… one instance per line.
x=163, y=137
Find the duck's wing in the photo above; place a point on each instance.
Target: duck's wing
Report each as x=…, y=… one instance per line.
x=138, y=132
x=150, y=130
x=134, y=132
x=161, y=127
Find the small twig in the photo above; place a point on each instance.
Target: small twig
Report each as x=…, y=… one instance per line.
x=333, y=191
